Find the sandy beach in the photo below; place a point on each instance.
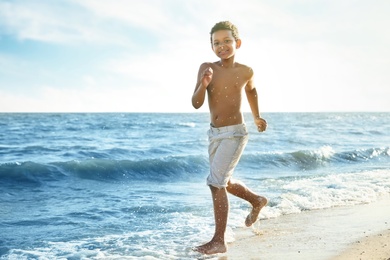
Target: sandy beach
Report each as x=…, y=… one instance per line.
x=370, y=247
x=353, y=232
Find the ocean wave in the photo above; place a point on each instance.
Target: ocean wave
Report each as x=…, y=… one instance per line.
x=170, y=168
x=364, y=155
x=333, y=190
x=165, y=169
x=29, y=172
x=325, y=156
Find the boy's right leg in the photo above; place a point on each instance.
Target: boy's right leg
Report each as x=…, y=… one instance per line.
x=239, y=189
x=221, y=211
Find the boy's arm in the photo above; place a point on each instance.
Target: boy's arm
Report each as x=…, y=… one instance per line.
x=251, y=94
x=205, y=75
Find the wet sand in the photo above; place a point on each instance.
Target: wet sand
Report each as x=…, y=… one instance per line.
x=353, y=232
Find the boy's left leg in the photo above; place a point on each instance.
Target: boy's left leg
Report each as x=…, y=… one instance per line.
x=239, y=189
x=221, y=211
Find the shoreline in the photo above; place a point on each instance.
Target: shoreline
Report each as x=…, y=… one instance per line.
x=335, y=233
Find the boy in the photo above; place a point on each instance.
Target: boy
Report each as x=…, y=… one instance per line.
x=224, y=81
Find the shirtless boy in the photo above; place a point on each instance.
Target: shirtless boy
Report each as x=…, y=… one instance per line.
x=224, y=81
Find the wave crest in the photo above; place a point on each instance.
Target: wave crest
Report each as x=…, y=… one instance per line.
x=166, y=169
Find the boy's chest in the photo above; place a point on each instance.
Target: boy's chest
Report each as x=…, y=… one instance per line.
x=227, y=82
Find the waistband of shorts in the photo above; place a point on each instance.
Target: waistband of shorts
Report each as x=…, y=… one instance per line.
x=226, y=129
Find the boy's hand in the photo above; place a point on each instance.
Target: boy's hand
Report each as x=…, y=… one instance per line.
x=261, y=124
x=207, y=77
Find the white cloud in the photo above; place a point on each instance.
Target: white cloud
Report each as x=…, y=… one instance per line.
x=47, y=21
x=148, y=15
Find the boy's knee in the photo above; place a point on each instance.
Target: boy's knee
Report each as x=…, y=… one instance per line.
x=233, y=181
x=215, y=188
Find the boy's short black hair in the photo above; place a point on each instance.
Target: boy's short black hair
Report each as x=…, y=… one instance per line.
x=225, y=25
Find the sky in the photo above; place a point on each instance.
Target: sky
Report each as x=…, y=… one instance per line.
x=144, y=56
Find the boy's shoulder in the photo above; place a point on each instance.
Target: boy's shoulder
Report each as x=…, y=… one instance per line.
x=209, y=63
x=245, y=69
x=243, y=66
x=206, y=64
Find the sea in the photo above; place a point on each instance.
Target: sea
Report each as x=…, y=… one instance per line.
x=133, y=185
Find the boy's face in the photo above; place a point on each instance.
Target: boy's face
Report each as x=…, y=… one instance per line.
x=223, y=44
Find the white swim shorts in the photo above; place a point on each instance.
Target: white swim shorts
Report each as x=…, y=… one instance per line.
x=226, y=145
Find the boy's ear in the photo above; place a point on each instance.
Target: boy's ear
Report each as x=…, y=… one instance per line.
x=238, y=43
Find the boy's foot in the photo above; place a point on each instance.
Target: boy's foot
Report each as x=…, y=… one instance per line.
x=211, y=248
x=252, y=217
